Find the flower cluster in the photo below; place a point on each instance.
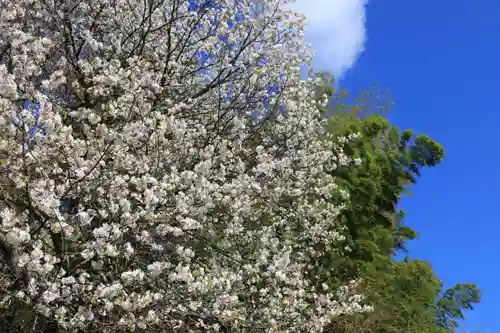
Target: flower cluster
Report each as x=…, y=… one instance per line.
x=152, y=197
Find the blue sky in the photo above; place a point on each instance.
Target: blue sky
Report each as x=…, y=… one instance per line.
x=441, y=62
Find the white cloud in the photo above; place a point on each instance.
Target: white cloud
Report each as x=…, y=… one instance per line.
x=336, y=31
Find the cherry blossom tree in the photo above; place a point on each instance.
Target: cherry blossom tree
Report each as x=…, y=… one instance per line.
x=163, y=168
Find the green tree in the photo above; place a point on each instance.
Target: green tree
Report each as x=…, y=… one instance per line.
x=403, y=299
x=407, y=295
x=452, y=303
x=392, y=161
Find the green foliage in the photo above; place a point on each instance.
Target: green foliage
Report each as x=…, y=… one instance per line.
x=403, y=298
x=451, y=304
x=407, y=296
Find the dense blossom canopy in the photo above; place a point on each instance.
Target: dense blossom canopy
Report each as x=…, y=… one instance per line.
x=163, y=167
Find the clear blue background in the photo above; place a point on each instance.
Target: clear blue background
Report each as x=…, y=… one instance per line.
x=441, y=61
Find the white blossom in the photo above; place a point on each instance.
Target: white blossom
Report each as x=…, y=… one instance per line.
x=166, y=190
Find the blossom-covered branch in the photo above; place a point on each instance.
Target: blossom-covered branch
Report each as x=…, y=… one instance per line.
x=149, y=196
